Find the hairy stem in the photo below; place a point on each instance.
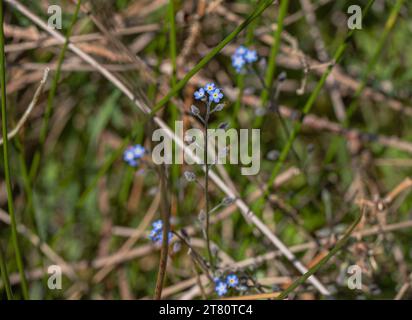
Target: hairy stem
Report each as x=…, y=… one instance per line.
x=207, y=226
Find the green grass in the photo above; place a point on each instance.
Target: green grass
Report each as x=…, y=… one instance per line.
x=7, y=170
x=337, y=57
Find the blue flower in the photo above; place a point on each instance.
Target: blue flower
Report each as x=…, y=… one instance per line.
x=199, y=94
x=240, y=51
x=133, y=153
x=243, y=56
x=156, y=234
x=232, y=280
x=159, y=238
x=251, y=56
x=209, y=87
x=139, y=151
x=128, y=154
x=157, y=225
x=238, y=62
x=216, y=96
x=221, y=288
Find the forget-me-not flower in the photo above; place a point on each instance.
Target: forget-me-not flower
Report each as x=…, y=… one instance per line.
x=199, y=94
x=156, y=234
x=133, y=153
x=216, y=96
x=221, y=288
x=210, y=87
x=251, y=56
x=240, y=51
x=232, y=280
x=238, y=62
x=243, y=56
x=157, y=225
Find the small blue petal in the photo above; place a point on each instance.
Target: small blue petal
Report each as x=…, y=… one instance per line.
x=154, y=235
x=199, y=94
x=132, y=163
x=241, y=50
x=238, y=62
x=138, y=151
x=251, y=56
x=209, y=87
x=216, y=96
x=232, y=280
x=221, y=288
x=157, y=225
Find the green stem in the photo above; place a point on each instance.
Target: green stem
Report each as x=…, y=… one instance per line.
x=173, y=109
x=52, y=93
x=5, y=276
x=207, y=207
x=7, y=171
x=172, y=39
x=271, y=70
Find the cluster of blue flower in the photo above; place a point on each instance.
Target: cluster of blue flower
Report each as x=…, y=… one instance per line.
x=222, y=286
x=156, y=234
x=133, y=153
x=215, y=95
x=243, y=56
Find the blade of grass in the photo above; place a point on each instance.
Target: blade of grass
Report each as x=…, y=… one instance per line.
x=52, y=93
x=172, y=39
x=322, y=262
x=7, y=171
x=257, y=12
x=271, y=70
x=5, y=275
